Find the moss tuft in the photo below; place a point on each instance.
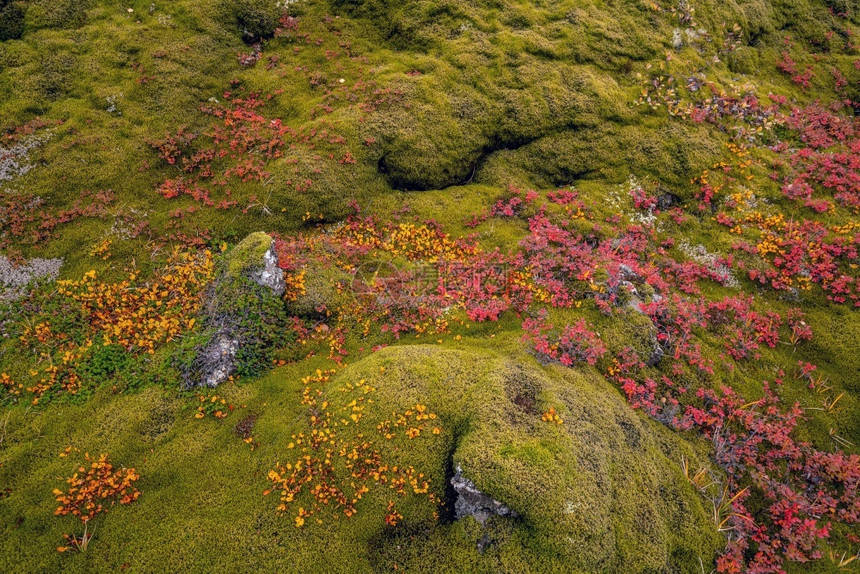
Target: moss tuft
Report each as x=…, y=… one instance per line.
x=248, y=254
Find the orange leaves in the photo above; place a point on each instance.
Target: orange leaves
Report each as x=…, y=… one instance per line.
x=295, y=285
x=93, y=487
x=138, y=316
x=392, y=516
x=551, y=416
x=143, y=316
x=413, y=241
x=11, y=386
x=102, y=250
x=418, y=414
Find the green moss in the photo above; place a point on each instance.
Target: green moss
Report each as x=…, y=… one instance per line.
x=578, y=487
x=467, y=98
x=57, y=13
x=322, y=293
x=255, y=19
x=11, y=20
x=248, y=254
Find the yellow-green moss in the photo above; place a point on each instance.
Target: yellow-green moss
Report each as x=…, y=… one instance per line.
x=248, y=253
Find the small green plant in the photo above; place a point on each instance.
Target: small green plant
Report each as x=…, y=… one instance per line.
x=105, y=361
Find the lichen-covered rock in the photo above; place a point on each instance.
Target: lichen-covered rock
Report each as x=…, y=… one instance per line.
x=472, y=502
x=15, y=278
x=244, y=315
x=255, y=257
x=220, y=359
x=270, y=275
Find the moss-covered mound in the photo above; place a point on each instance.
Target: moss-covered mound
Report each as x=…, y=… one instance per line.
x=602, y=491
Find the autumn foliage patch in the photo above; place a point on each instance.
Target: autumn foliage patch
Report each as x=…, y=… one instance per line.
x=92, y=489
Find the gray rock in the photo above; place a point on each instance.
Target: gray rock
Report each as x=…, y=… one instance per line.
x=269, y=274
x=677, y=39
x=626, y=273
x=14, y=279
x=667, y=200
x=219, y=357
x=472, y=502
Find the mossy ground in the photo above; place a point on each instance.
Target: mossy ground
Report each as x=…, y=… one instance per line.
x=200, y=470
x=445, y=104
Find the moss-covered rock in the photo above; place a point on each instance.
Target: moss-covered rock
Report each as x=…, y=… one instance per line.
x=244, y=317
x=601, y=492
x=255, y=19
x=323, y=292
x=57, y=13
x=249, y=255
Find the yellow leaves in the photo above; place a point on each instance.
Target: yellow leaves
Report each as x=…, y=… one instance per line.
x=143, y=316
x=299, y=521
x=212, y=405
x=295, y=285
x=66, y=451
x=392, y=516
x=334, y=466
x=551, y=416
x=10, y=385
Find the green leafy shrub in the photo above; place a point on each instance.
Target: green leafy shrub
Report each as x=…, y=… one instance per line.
x=258, y=320
x=104, y=362
x=238, y=310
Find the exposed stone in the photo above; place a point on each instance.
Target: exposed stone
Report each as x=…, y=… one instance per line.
x=472, y=502
x=255, y=257
x=626, y=273
x=667, y=200
x=270, y=275
x=656, y=355
x=677, y=39
x=220, y=359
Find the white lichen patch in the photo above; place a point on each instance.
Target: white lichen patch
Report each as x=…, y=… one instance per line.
x=14, y=279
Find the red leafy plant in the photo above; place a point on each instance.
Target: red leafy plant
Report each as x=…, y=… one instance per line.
x=569, y=345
